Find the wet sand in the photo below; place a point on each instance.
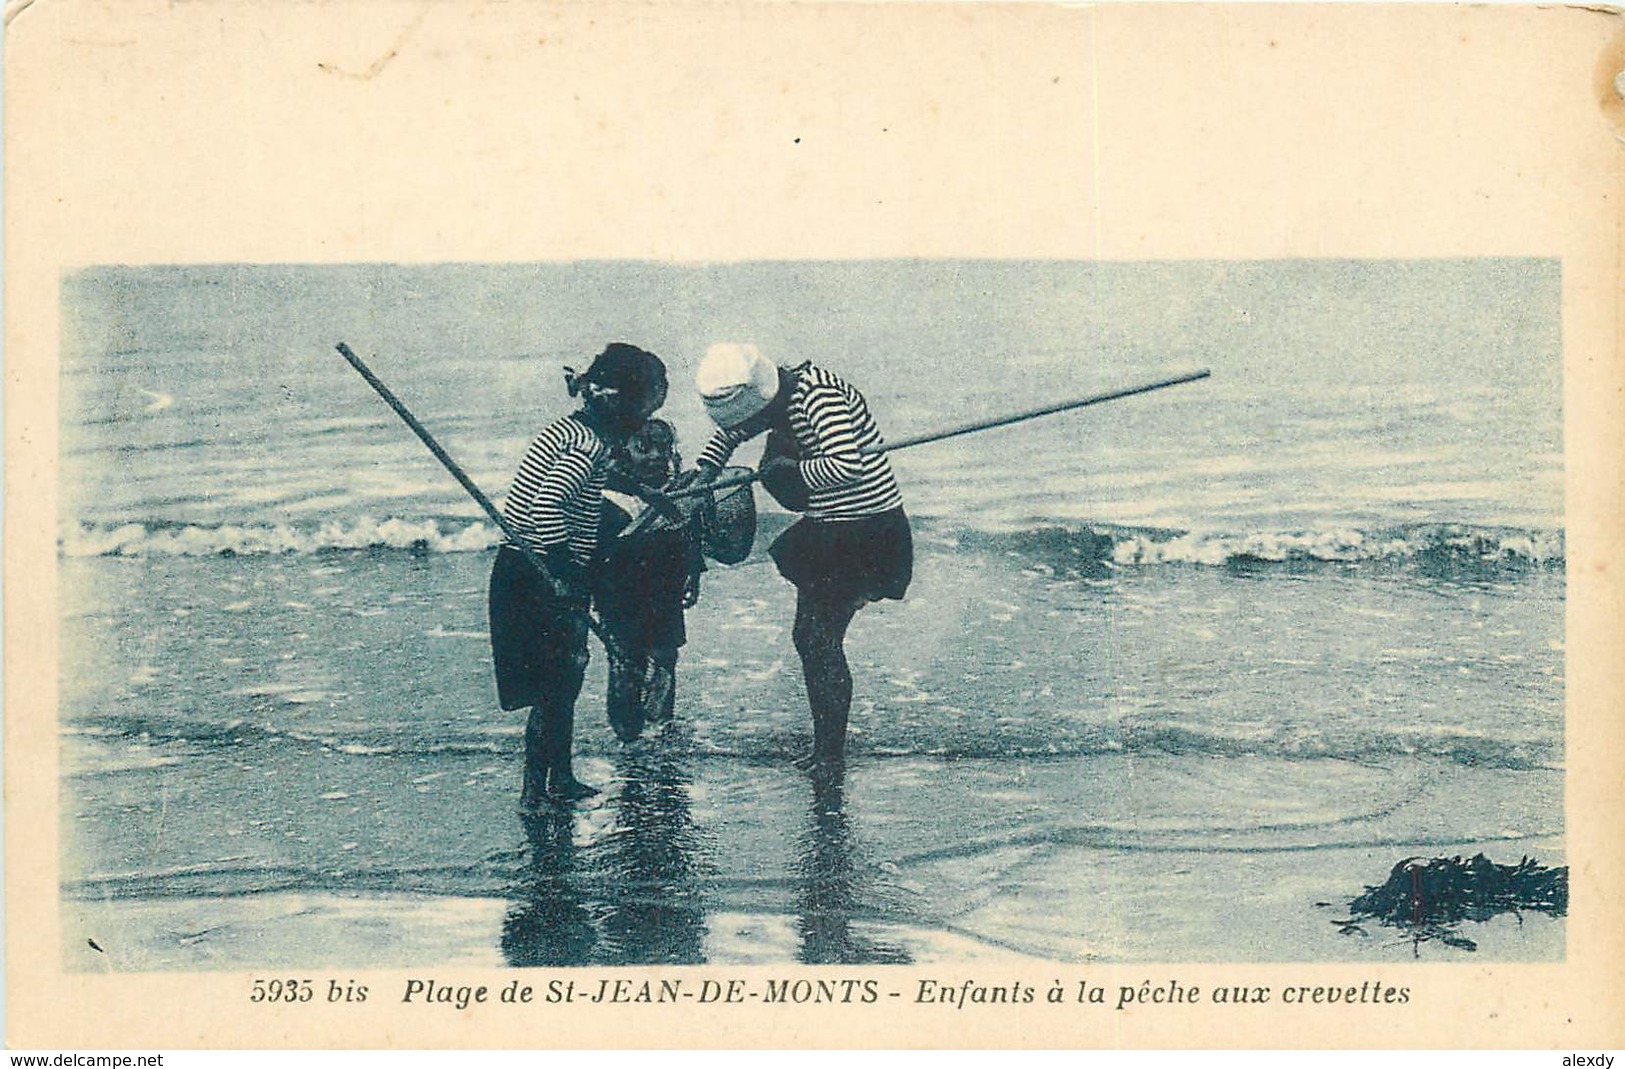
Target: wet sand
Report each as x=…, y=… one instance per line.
x=687, y=860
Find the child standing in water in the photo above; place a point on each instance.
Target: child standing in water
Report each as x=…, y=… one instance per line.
x=852, y=545
x=539, y=623
x=650, y=575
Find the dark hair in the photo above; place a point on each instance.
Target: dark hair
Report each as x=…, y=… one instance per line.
x=661, y=429
x=632, y=373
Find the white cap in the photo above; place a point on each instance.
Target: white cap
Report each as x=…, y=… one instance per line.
x=736, y=381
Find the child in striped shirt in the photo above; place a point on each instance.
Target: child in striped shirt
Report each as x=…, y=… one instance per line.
x=539, y=623
x=852, y=545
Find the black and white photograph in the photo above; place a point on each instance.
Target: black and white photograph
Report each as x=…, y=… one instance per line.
x=1263, y=665
x=828, y=522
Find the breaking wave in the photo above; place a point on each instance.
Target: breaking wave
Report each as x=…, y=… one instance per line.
x=1066, y=551
x=1434, y=548
x=170, y=539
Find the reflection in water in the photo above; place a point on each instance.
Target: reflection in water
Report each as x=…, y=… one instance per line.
x=651, y=867
x=631, y=896
x=831, y=890
x=549, y=925
x=632, y=891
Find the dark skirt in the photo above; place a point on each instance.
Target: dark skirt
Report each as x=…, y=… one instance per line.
x=871, y=557
x=538, y=641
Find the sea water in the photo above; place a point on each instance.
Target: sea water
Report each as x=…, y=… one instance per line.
x=1178, y=676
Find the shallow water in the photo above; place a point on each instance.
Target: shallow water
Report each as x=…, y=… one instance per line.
x=1010, y=727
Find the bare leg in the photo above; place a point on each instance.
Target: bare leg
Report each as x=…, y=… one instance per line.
x=660, y=685
x=561, y=781
x=548, y=766
x=551, y=728
x=820, y=635
x=537, y=759
x=625, y=698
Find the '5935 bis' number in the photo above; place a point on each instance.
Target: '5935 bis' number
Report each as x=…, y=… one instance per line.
x=282, y=991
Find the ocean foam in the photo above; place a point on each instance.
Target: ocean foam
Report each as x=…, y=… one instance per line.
x=203, y=540
x=1071, y=551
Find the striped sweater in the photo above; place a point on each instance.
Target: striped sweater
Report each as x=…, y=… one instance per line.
x=831, y=422
x=558, y=493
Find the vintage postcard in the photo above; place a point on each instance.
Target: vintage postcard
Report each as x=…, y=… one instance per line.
x=1160, y=585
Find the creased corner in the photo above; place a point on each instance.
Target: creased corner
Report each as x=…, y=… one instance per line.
x=15, y=8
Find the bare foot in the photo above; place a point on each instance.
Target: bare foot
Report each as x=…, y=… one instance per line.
x=569, y=789
x=816, y=761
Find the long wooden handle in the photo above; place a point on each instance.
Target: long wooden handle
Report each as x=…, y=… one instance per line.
x=468, y=484
x=971, y=428
x=1022, y=417
x=428, y=439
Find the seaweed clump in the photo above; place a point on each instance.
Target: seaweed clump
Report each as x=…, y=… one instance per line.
x=1428, y=899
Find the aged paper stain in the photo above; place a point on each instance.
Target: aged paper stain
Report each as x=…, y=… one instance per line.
x=376, y=67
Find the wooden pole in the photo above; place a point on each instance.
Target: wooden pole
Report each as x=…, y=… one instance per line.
x=972, y=428
x=468, y=484
x=1022, y=417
